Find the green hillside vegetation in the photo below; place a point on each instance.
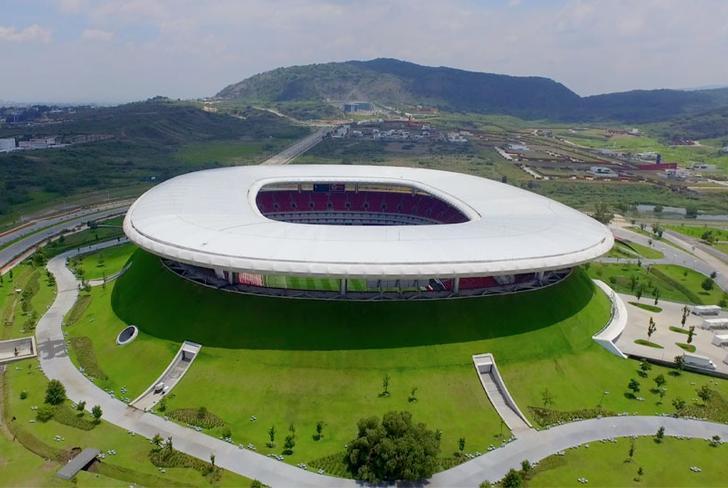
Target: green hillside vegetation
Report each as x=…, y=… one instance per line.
x=402, y=84
x=144, y=144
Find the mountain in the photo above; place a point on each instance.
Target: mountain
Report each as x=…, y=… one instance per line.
x=404, y=84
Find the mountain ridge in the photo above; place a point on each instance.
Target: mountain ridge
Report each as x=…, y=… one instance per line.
x=394, y=82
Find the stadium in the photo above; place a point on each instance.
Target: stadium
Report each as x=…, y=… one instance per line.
x=360, y=232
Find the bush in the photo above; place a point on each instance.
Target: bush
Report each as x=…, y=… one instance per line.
x=55, y=393
x=395, y=449
x=97, y=413
x=23, y=395
x=44, y=413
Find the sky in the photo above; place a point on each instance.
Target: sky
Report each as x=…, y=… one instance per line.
x=111, y=51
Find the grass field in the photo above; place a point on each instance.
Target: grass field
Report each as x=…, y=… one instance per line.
x=697, y=232
x=132, y=451
x=628, y=249
x=299, y=361
x=104, y=263
x=675, y=283
x=293, y=361
x=229, y=152
x=108, y=229
x=14, y=322
x=608, y=464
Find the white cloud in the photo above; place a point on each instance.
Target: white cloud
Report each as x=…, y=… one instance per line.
x=32, y=33
x=187, y=48
x=97, y=35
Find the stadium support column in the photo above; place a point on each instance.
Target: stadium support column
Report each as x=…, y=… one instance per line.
x=456, y=285
x=342, y=286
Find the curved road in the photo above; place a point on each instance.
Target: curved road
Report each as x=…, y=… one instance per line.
x=534, y=445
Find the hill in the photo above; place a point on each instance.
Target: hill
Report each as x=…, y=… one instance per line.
x=403, y=84
x=141, y=142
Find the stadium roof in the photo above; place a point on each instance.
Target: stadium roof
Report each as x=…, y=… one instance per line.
x=210, y=218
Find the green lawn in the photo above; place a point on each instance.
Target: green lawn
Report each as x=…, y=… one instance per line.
x=629, y=249
x=105, y=262
x=675, y=283
x=14, y=322
x=132, y=451
x=108, y=229
x=228, y=152
x=607, y=464
x=300, y=361
x=697, y=232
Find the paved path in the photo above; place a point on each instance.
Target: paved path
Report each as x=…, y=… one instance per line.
x=56, y=364
x=535, y=446
x=532, y=445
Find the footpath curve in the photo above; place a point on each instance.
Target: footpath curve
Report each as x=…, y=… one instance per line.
x=56, y=364
x=533, y=445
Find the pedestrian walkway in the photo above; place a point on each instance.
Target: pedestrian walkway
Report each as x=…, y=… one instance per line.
x=530, y=444
x=498, y=394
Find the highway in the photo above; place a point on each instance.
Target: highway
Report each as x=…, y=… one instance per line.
x=50, y=228
x=300, y=147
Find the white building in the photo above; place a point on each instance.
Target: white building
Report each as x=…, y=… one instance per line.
x=7, y=144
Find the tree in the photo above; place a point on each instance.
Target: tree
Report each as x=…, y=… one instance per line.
x=547, y=398
x=707, y=284
x=461, y=444
x=393, y=449
x=168, y=444
x=272, y=436
x=679, y=362
x=212, y=460
x=679, y=404
x=512, y=479
x=81, y=405
x=97, y=412
x=660, y=434
x=289, y=443
x=657, y=295
x=602, y=213
x=715, y=441
x=631, y=450
x=638, y=294
x=632, y=282
x=684, y=316
x=705, y=393
x=634, y=386
x=660, y=380
x=385, y=385
x=157, y=441
x=55, y=393
x=713, y=275
x=525, y=467
x=651, y=328
x=319, y=429
x=691, y=334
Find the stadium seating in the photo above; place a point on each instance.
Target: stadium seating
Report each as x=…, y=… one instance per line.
x=426, y=208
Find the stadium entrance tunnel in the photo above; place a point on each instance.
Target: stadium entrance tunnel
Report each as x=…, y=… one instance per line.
x=357, y=203
x=324, y=288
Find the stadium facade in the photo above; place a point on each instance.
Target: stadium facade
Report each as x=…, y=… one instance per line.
x=360, y=232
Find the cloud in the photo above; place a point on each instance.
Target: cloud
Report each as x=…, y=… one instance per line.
x=188, y=48
x=97, y=35
x=32, y=33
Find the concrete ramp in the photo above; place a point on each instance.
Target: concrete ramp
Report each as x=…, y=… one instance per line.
x=498, y=394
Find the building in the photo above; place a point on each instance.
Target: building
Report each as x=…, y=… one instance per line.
x=7, y=144
x=353, y=107
x=603, y=172
x=360, y=232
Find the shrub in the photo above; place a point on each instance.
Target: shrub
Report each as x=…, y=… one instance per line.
x=55, y=393
x=44, y=413
x=23, y=395
x=97, y=412
x=512, y=479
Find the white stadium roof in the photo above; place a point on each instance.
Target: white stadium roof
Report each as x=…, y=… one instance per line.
x=210, y=219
